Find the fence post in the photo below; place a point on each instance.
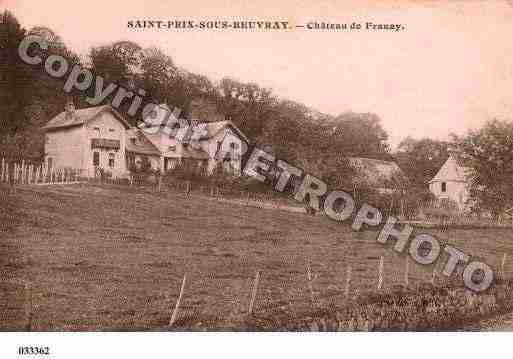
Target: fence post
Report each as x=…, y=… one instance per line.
x=254, y=292
x=380, y=273
x=23, y=172
x=348, y=281
x=502, y=266
x=407, y=272
x=310, y=285
x=175, y=311
x=28, y=306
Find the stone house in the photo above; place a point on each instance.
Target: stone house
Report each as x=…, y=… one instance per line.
x=99, y=137
x=87, y=139
x=204, y=151
x=450, y=183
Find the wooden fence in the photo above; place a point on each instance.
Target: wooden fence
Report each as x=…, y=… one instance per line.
x=20, y=173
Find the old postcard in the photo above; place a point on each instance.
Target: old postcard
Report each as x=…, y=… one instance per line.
x=297, y=166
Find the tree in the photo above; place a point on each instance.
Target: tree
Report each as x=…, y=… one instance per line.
x=359, y=135
x=13, y=78
x=117, y=62
x=421, y=159
x=488, y=152
x=246, y=104
x=28, y=95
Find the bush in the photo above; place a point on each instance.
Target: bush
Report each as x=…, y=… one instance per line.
x=102, y=173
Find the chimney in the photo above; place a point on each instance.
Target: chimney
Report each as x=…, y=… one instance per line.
x=69, y=108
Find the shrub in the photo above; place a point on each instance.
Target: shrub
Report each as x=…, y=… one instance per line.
x=102, y=173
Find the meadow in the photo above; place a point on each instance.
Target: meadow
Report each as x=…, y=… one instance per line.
x=107, y=257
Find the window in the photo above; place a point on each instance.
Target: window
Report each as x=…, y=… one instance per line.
x=172, y=148
x=96, y=131
x=111, y=160
x=96, y=158
x=130, y=160
x=133, y=140
x=50, y=162
x=111, y=130
x=444, y=187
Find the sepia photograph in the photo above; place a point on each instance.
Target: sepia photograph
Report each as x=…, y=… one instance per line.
x=236, y=167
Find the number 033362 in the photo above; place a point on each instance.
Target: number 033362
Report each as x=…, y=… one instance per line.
x=33, y=350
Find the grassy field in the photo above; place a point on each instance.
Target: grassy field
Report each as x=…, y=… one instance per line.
x=84, y=257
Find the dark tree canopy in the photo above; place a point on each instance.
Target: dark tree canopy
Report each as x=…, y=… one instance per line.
x=488, y=152
x=421, y=159
x=295, y=132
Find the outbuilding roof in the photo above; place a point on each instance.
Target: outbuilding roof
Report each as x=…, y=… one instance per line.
x=451, y=171
x=141, y=145
x=377, y=172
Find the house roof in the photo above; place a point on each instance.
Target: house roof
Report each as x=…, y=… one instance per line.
x=156, y=118
x=80, y=117
x=213, y=128
x=142, y=145
x=451, y=171
x=376, y=172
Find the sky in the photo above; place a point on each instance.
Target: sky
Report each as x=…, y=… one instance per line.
x=449, y=70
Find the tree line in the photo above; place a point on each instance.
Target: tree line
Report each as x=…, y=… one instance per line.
x=317, y=142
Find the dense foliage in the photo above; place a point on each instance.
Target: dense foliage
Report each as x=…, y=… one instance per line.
x=488, y=152
x=292, y=130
